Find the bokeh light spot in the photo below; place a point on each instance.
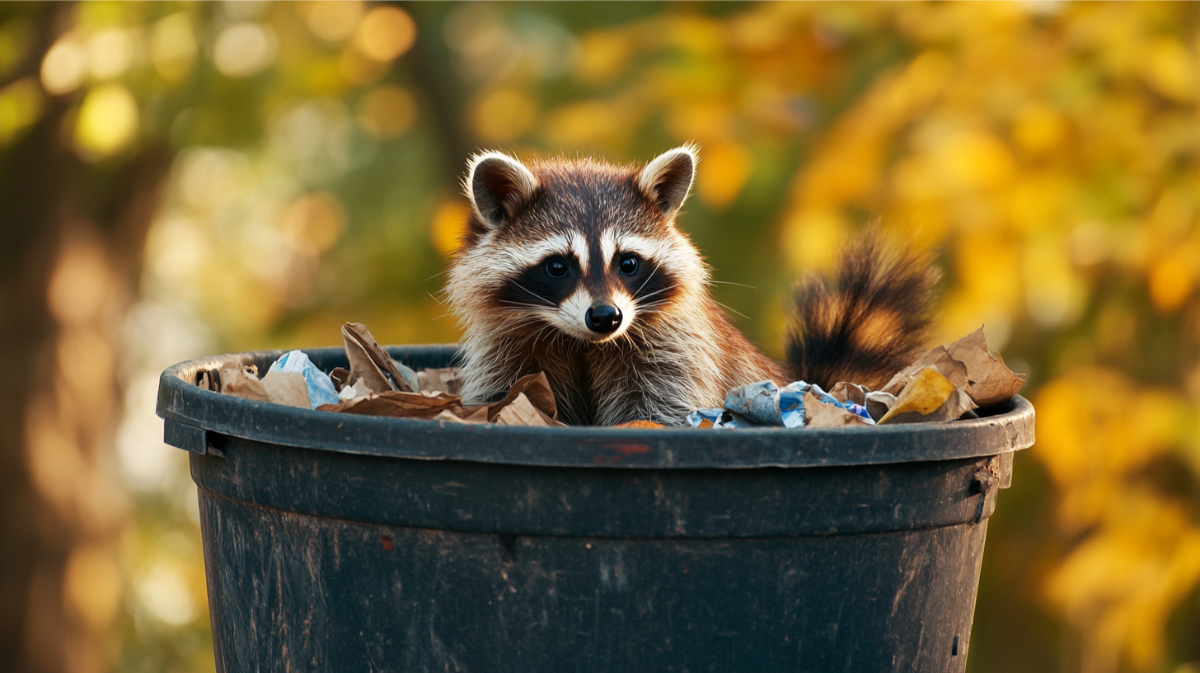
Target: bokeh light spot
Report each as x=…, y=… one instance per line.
x=1171, y=282
x=108, y=121
x=385, y=33
x=1169, y=68
x=92, y=585
x=165, y=595
x=314, y=222
x=64, y=66
x=173, y=46
x=333, y=20
x=726, y=168
x=448, y=226
x=110, y=53
x=243, y=50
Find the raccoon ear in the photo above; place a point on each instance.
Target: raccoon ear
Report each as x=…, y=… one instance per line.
x=498, y=186
x=667, y=179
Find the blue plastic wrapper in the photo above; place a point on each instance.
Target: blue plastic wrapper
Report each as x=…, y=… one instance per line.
x=765, y=403
x=719, y=418
x=858, y=410
x=320, y=386
x=410, y=377
x=758, y=402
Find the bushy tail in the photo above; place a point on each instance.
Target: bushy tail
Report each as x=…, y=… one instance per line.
x=867, y=323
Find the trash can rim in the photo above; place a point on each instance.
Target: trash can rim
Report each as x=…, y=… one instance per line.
x=202, y=417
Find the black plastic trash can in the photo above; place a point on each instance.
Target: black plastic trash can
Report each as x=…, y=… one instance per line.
x=335, y=542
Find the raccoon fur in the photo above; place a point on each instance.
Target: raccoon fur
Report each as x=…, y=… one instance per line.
x=577, y=268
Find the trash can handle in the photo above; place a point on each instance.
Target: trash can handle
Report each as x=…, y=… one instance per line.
x=190, y=438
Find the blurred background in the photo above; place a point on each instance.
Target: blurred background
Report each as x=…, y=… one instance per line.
x=184, y=179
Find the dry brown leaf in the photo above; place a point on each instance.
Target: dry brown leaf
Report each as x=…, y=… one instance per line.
x=818, y=414
x=341, y=378
x=536, y=388
x=968, y=364
x=938, y=357
x=396, y=404
x=989, y=380
x=370, y=362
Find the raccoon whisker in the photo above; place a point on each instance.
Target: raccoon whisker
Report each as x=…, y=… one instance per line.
x=656, y=292
x=731, y=309
x=520, y=304
x=652, y=306
x=726, y=282
x=643, y=285
x=533, y=294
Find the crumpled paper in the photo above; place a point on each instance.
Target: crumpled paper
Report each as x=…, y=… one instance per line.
x=320, y=388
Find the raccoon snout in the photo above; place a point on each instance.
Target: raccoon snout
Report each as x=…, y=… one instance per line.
x=603, y=318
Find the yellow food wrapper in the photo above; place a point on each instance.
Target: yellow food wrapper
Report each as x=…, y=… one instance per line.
x=929, y=396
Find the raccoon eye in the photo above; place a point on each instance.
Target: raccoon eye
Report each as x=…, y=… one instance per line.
x=629, y=266
x=556, y=268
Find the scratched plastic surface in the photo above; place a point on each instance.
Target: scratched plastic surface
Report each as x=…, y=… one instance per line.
x=584, y=549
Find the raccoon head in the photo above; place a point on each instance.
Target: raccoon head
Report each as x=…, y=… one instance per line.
x=582, y=248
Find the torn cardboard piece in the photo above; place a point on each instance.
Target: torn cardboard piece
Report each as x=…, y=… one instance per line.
x=286, y=388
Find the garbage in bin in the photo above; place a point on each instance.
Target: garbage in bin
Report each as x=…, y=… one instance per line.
x=944, y=384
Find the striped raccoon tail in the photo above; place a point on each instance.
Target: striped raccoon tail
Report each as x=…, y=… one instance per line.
x=867, y=323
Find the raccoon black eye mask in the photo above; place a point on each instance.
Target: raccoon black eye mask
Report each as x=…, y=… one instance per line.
x=579, y=269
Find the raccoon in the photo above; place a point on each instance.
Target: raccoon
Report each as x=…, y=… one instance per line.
x=578, y=269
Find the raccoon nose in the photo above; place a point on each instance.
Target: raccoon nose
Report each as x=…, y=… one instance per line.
x=603, y=318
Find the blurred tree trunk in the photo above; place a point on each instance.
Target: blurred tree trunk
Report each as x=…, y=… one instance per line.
x=69, y=267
